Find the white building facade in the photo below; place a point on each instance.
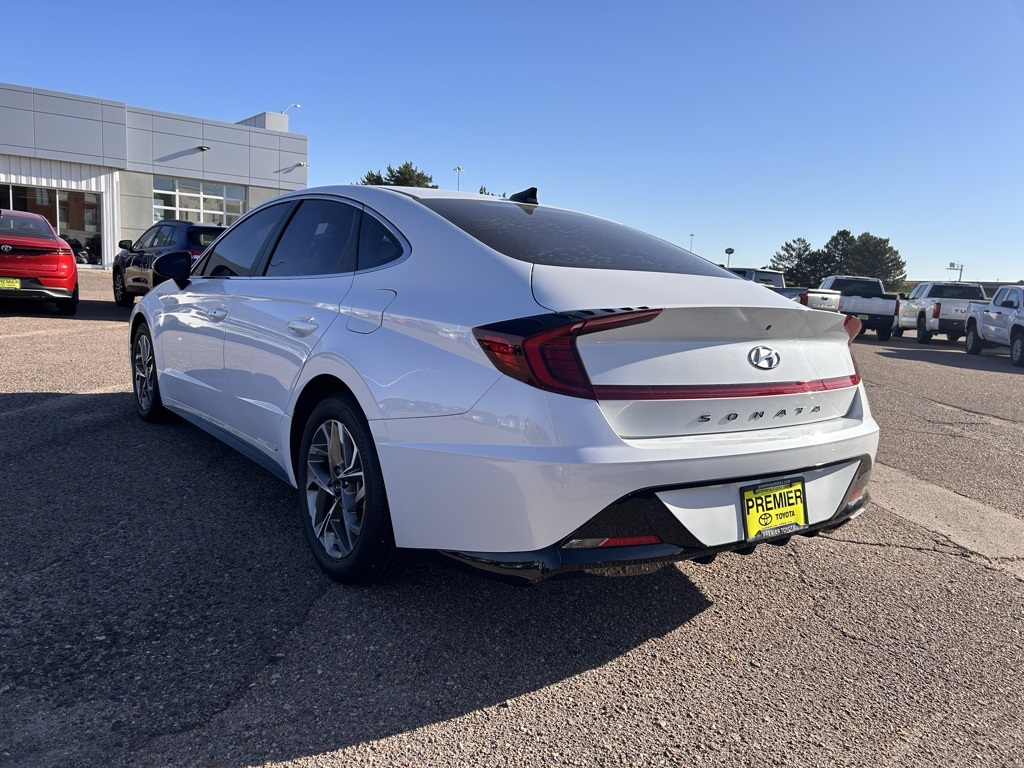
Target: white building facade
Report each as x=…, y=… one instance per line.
x=102, y=171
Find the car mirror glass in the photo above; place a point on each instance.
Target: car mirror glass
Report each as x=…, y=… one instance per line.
x=176, y=266
x=124, y=245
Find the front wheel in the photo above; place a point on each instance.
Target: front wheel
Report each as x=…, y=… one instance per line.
x=972, y=342
x=342, y=500
x=1017, y=349
x=923, y=334
x=144, y=382
x=121, y=296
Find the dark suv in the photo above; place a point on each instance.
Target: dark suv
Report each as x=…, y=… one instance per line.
x=133, y=266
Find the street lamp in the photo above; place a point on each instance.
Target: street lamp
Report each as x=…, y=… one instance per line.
x=459, y=170
x=285, y=110
x=691, y=242
x=728, y=255
x=954, y=265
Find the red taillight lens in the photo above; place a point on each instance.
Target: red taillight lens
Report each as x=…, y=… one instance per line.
x=936, y=309
x=803, y=298
x=852, y=327
x=541, y=351
x=897, y=312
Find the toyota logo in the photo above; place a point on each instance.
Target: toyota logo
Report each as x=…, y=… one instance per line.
x=5, y=248
x=764, y=358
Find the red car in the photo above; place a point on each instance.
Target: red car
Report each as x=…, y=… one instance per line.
x=35, y=264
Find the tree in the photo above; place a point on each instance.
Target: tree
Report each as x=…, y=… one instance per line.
x=837, y=253
x=874, y=257
x=792, y=260
x=405, y=175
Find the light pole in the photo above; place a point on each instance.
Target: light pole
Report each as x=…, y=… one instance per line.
x=728, y=255
x=954, y=265
x=285, y=110
x=691, y=242
x=459, y=170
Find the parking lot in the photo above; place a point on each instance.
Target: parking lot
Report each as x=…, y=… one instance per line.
x=161, y=608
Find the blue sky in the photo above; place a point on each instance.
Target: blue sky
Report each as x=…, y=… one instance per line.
x=744, y=122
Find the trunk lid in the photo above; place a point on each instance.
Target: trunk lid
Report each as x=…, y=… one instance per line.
x=27, y=256
x=724, y=355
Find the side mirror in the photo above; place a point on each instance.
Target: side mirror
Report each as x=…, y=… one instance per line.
x=124, y=245
x=176, y=266
x=1008, y=303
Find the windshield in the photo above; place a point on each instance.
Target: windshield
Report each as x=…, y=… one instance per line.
x=558, y=238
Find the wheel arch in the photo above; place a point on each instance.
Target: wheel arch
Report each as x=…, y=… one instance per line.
x=314, y=391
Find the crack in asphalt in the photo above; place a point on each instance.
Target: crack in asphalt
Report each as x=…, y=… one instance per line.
x=983, y=416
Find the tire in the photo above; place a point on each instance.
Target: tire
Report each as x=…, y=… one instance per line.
x=1017, y=349
x=121, y=296
x=884, y=333
x=145, y=387
x=343, y=504
x=897, y=332
x=923, y=335
x=953, y=337
x=972, y=342
x=68, y=307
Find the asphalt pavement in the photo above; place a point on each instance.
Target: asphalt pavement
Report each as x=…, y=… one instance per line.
x=159, y=606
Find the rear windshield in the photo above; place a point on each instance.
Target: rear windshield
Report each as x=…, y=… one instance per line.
x=564, y=239
x=848, y=286
x=956, y=292
x=200, y=238
x=25, y=225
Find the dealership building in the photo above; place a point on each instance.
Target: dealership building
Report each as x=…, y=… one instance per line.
x=102, y=171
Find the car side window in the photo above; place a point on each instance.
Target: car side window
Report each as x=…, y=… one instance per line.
x=236, y=253
x=146, y=240
x=377, y=244
x=166, y=236
x=916, y=292
x=999, y=297
x=321, y=239
x=1015, y=295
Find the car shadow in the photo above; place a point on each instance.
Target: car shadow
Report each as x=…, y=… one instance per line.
x=88, y=309
x=951, y=354
x=156, y=580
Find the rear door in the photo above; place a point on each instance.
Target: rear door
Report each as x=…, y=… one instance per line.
x=279, y=317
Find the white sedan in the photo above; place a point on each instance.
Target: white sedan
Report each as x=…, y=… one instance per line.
x=524, y=389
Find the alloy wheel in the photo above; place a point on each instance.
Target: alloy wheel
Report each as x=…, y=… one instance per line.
x=144, y=367
x=335, y=489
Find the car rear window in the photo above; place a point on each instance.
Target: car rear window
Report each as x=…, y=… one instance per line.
x=851, y=287
x=25, y=225
x=956, y=292
x=558, y=238
x=200, y=238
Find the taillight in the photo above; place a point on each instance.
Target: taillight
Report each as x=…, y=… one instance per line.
x=852, y=327
x=803, y=298
x=897, y=308
x=936, y=309
x=541, y=350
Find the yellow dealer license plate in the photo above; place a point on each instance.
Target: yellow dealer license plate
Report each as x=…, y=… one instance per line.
x=774, y=508
x=10, y=282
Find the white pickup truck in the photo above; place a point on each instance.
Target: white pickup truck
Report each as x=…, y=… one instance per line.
x=999, y=322
x=815, y=298
x=939, y=307
x=866, y=299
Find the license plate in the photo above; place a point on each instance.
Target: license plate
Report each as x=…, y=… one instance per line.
x=10, y=282
x=774, y=508
x=862, y=317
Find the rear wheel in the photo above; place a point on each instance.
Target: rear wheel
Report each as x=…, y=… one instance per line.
x=972, y=342
x=68, y=306
x=144, y=380
x=897, y=332
x=923, y=334
x=342, y=501
x=884, y=333
x=121, y=296
x=1017, y=349
x=953, y=337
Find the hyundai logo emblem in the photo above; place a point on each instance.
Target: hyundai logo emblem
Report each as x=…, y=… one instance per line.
x=764, y=358
x=5, y=248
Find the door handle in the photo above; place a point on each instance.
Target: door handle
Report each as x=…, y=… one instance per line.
x=214, y=315
x=303, y=326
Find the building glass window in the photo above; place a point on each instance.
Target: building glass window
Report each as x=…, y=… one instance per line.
x=75, y=215
x=199, y=201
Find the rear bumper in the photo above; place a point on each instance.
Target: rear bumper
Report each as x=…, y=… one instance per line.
x=678, y=543
x=33, y=289
x=873, y=322
x=937, y=325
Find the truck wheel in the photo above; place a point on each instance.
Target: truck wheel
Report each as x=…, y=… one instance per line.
x=897, y=332
x=923, y=334
x=953, y=337
x=1017, y=349
x=884, y=332
x=972, y=342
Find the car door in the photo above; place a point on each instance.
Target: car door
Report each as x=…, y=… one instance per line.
x=189, y=337
x=993, y=319
x=280, y=316
x=133, y=263
x=908, y=308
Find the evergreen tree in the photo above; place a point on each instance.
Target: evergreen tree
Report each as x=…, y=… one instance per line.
x=405, y=175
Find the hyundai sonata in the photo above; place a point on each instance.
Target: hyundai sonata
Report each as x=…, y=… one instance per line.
x=521, y=388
